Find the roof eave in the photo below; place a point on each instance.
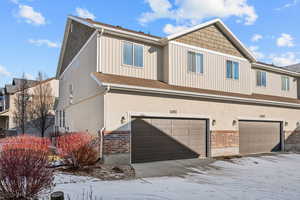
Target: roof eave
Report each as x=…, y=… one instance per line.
x=198, y=95
x=275, y=69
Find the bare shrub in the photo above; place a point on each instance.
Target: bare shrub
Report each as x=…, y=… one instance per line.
x=78, y=149
x=24, y=168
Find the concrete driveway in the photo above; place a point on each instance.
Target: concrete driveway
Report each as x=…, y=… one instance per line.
x=178, y=168
x=264, y=177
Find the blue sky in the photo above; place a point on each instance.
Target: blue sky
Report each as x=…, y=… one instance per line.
x=32, y=30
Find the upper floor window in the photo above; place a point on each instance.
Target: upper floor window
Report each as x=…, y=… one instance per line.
x=285, y=83
x=195, y=62
x=232, y=70
x=133, y=54
x=261, y=78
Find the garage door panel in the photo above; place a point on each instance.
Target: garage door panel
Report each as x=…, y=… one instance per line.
x=155, y=139
x=259, y=136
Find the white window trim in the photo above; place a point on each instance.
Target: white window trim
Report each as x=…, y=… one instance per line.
x=232, y=79
x=285, y=89
x=196, y=52
x=122, y=56
x=260, y=86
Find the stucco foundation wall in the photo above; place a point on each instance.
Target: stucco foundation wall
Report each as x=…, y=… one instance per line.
x=224, y=133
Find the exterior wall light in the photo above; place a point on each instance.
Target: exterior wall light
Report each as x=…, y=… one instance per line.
x=213, y=122
x=123, y=120
x=286, y=123
x=234, y=123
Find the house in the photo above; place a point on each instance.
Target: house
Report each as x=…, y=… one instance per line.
x=8, y=98
x=295, y=68
x=197, y=93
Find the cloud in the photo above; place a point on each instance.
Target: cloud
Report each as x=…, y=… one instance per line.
x=288, y=5
x=256, y=52
x=29, y=76
x=285, y=59
x=191, y=12
x=41, y=42
x=4, y=72
x=84, y=13
x=256, y=37
x=170, y=29
x=285, y=40
x=30, y=15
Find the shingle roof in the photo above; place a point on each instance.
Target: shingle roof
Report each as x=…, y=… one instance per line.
x=147, y=83
x=116, y=27
x=294, y=68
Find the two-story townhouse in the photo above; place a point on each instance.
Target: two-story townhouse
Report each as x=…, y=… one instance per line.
x=8, y=96
x=197, y=93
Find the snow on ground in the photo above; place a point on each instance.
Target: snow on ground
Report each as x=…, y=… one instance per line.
x=265, y=177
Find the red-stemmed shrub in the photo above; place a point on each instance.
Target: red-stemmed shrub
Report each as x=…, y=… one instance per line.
x=24, y=172
x=78, y=149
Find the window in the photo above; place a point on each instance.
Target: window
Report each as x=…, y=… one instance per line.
x=195, y=62
x=261, y=78
x=133, y=54
x=285, y=83
x=232, y=70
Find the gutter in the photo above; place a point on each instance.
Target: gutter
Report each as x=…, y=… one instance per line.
x=122, y=33
x=199, y=95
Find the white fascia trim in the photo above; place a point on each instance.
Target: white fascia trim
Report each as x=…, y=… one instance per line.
x=274, y=69
x=127, y=34
x=207, y=50
x=81, y=21
x=175, y=35
x=120, y=32
x=225, y=28
x=238, y=41
x=198, y=95
x=96, y=79
x=79, y=52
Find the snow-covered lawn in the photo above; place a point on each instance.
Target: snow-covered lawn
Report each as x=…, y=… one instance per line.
x=264, y=177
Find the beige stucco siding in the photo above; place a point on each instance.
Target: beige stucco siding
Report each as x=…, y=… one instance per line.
x=111, y=59
x=223, y=113
x=86, y=115
x=274, y=85
x=85, y=109
x=78, y=75
x=214, y=71
x=224, y=132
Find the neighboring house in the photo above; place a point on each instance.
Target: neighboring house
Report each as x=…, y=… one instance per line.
x=8, y=95
x=197, y=93
x=295, y=68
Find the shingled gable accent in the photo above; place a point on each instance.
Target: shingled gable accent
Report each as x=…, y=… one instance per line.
x=212, y=38
x=78, y=35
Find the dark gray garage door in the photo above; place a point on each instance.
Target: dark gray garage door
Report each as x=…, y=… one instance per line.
x=259, y=137
x=157, y=139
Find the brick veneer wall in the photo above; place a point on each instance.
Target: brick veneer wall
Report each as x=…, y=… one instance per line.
x=292, y=140
x=224, y=143
x=225, y=138
x=116, y=142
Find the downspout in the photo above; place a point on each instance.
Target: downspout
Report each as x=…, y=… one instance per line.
x=103, y=128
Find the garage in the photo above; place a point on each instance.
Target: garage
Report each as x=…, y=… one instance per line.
x=259, y=136
x=158, y=139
